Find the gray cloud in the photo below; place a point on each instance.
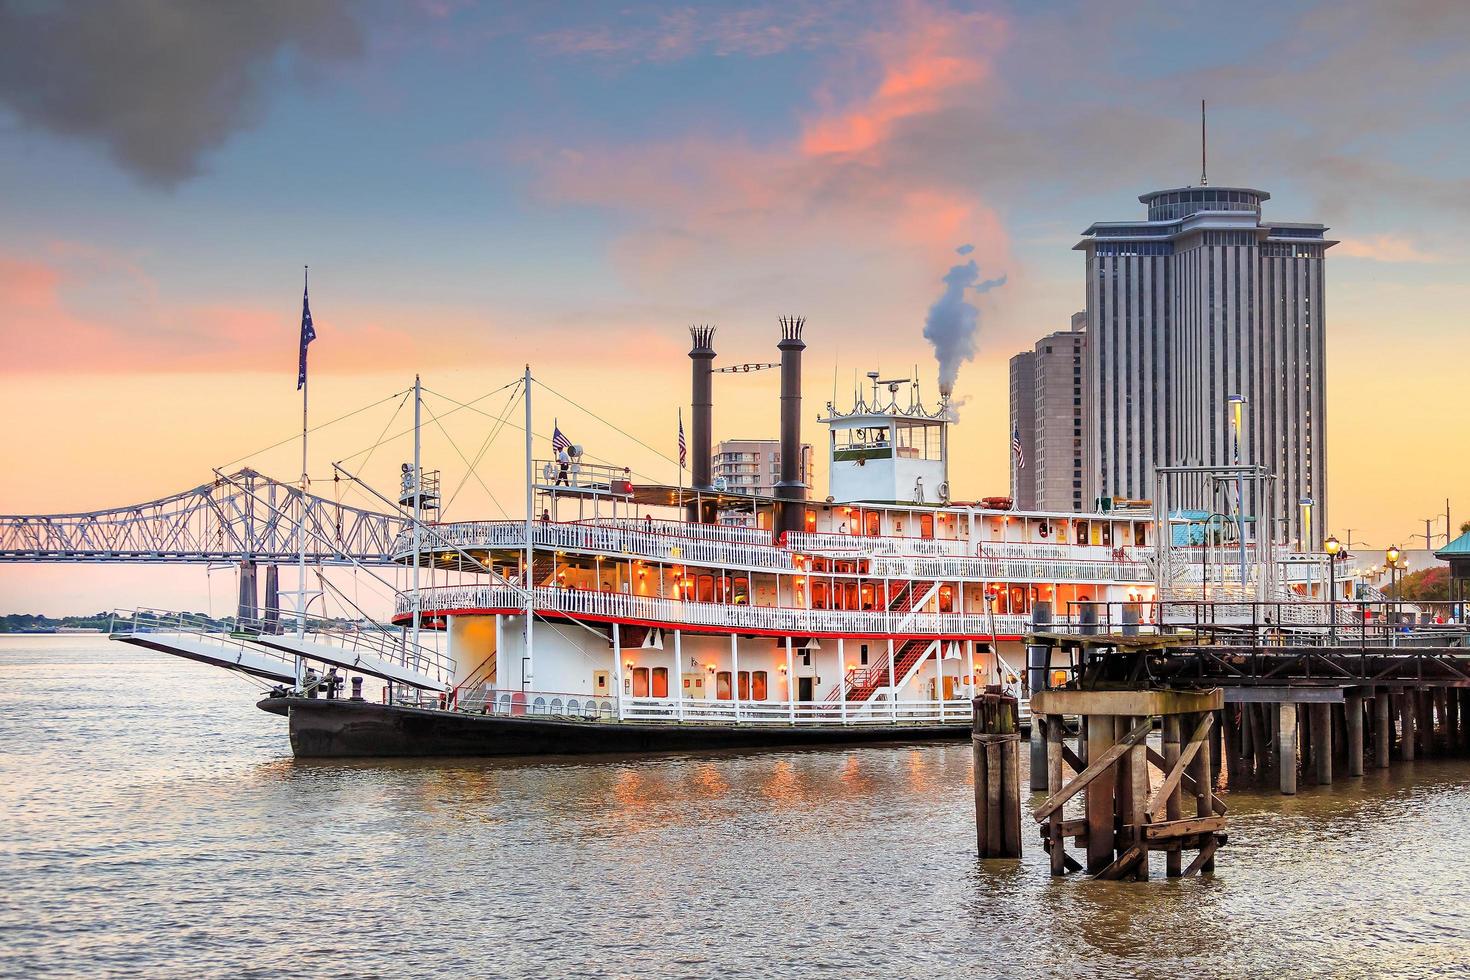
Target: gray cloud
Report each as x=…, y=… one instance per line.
x=159, y=83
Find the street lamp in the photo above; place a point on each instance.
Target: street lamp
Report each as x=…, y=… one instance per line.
x=1333, y=548
x=1391, y=557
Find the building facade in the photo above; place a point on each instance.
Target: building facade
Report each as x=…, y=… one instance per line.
x=1202, y=302
x=754, y=465
x=1049, y=410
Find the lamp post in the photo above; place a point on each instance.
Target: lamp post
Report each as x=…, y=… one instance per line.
x=1333, y=548
x=1391, y=558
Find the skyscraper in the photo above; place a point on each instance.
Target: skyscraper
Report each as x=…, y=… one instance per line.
x=1049, y=406
x=1202, y=301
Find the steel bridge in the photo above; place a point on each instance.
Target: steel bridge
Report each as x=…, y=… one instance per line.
x=244, y=517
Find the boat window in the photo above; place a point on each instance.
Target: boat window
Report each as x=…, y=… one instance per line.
x=946, y=599
x=640, y=682
x=1139, y=534
x=741, y=596
x=758, y=685
x=706, y=591
x=660, y=682
x=819, y=595
x=926, y=525
x=722, y=686
x=873, y=523
x=811, y=520
x=745, y=685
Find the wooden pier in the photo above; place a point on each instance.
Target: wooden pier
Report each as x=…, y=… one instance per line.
x=1126, y=814
x=1293, y=715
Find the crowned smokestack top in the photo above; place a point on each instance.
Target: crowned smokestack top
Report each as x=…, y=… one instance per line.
x=702, y=356
x=791, y=491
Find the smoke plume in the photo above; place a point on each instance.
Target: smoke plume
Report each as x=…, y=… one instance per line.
x=953, y=321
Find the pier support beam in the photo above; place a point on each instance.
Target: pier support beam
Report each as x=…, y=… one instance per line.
x=1382, y=728
x=1322, y=743
x=1407, y=737
x=1099, y=803
x=271, y=611
x=1287, y=748
x=1353, y=714
x=245, y=610
x=1173, y=859
x=996, y=744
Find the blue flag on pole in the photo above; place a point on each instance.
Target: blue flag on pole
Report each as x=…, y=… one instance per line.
x=308, y=334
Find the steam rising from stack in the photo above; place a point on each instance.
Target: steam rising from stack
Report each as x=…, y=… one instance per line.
x=953, y=323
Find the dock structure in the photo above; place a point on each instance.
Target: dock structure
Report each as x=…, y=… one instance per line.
x=1296, y=713
x=1126, y=814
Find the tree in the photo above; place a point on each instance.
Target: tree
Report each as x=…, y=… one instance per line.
x=1427, y=585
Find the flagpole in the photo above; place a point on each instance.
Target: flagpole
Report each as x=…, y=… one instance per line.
x=301, y=524
x=528, y=663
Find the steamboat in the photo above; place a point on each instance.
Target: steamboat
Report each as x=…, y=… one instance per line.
x=622, y=615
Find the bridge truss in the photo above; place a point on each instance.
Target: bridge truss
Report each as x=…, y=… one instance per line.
x=241, y=517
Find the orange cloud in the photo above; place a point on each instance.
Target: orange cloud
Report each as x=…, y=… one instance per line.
x=1383, y=248
x=934, y=56
x=846, y=216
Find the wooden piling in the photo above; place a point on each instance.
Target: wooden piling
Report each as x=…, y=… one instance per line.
x=1099, y=804
x=1382, y=728
x=1173, y=862
x=1322, y=743
x=1287, y=747
x=1407, y=738
x=1353, y=714
x=996, y=739
x=1204, y=790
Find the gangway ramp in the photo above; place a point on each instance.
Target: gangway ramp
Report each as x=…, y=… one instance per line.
x=313, y=647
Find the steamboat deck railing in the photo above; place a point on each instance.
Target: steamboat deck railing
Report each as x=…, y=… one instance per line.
x=560, y=704
x=674, y=613
x=995, y=562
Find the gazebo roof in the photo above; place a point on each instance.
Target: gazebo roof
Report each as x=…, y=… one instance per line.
x=1458, y=548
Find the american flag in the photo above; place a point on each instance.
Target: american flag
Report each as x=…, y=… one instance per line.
x=308, y=334
x=683, y=446
x=1016, y=448
x=559, y=441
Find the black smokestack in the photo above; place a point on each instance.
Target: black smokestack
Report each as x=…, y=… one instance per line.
x=702, y=356
x=791, y=491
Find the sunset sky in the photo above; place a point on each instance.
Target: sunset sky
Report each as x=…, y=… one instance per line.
x=478, y=186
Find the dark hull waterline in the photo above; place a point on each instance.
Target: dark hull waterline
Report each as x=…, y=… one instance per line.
x=343, y=728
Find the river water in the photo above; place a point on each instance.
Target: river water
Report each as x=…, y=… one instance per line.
x=154, y=823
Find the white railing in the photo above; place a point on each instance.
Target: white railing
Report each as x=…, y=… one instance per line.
x=874, y=545
x=1042, y=563
x=685, y=529
x=142, y=620
x=671, y=612
x=618, y=542
x=517, y=703
x=1010, y=569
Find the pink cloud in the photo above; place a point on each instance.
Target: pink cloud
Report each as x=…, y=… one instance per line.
x=845, y=203
x=1384, y=248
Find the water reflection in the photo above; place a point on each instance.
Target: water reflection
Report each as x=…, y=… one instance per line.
x=178, y=839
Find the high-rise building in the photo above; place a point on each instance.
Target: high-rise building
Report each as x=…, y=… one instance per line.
x=1201, y=302
x=754, y=465
x=1048, y=414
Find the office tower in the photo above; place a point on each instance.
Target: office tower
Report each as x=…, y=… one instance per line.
x=1201, y=301
x=1048, y=412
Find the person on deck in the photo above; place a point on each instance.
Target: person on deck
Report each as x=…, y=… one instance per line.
x=564, y=462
